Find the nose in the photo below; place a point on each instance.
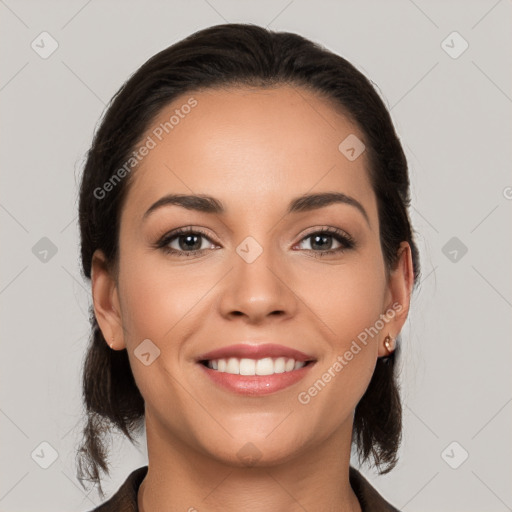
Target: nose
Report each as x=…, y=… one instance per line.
x=258, y=289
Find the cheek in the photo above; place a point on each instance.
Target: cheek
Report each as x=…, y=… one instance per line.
x=351, y=309
x=157, y=303
x=348, y=298
x=156, y=296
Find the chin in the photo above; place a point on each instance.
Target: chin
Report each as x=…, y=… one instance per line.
x=255, y=451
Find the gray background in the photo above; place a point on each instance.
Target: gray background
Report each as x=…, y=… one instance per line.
x=453, y=117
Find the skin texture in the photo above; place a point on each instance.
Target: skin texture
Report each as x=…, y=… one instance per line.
x=254, y=150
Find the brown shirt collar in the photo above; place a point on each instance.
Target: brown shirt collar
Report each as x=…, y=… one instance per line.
x=125, y=499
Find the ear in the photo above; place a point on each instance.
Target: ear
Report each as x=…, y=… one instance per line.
x=106, y=301
x=398, y=296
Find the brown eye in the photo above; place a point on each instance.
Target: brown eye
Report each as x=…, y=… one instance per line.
x=321, y=242
x=186, y=241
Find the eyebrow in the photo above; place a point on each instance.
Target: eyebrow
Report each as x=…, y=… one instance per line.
x=208, y=204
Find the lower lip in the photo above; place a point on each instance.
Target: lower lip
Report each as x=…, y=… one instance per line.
x=256, y=384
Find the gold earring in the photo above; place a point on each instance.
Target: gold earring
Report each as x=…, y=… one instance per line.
x=112, y=342
x=389, y=343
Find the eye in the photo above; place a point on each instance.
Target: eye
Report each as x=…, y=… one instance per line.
x=186, y=242
x=323, y=240
x=189, y=242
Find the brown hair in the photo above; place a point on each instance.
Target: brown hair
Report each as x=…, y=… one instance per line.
x=233, y=54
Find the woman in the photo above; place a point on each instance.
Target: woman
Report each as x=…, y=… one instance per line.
x=244, y=225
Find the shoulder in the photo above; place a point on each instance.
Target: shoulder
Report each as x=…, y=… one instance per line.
x=125, y=499
x=369, y=499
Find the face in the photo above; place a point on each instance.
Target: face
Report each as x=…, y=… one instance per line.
x=264, y=268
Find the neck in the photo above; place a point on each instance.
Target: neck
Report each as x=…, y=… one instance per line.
x=180, y=478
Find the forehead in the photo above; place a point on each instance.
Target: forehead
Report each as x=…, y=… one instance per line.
x=249, y=146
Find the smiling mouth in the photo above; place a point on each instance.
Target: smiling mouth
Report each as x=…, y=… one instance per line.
x=255, y=367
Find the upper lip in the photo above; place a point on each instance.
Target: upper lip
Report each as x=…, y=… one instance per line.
x=259, y=351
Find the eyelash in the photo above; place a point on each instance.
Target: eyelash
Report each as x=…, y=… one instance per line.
x=343, y=238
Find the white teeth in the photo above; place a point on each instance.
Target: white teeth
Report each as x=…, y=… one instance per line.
x=279, y=365
x=233, y=366
x=265, y=366
x=247, y=367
